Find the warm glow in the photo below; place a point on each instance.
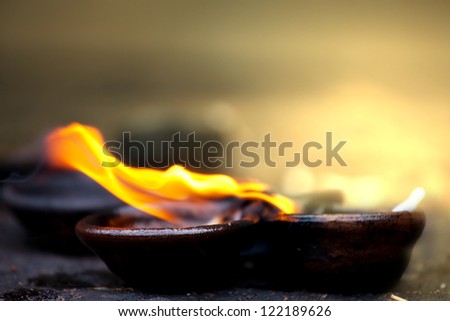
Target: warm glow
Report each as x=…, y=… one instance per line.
x=81, y=148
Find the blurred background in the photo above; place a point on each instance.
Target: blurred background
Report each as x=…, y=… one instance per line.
x=376, y=74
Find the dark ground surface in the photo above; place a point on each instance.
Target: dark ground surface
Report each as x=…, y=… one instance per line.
x=28, y=273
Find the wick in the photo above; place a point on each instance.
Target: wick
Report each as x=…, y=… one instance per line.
x=412, y=201
x=397, y=298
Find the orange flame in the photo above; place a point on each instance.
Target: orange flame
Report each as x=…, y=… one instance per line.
x=82, y=148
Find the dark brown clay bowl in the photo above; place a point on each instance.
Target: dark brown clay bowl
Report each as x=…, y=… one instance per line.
x=341, y=252
x=50, y=203
x=327, y=252
x=165, y=258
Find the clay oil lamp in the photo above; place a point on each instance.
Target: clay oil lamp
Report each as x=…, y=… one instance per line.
x=184, y=230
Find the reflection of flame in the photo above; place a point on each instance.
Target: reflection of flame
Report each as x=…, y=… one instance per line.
x=81, y=148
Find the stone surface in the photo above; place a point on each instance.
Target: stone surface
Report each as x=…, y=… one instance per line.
x=29, y=273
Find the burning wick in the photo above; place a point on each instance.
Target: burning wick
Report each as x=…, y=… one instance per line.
x=81, y=148
x=410, y=204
